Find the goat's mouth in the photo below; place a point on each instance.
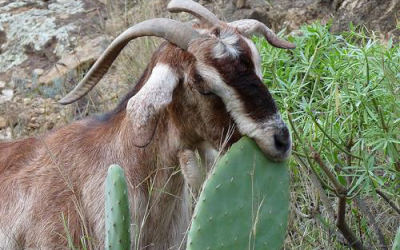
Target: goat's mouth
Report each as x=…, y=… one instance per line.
x=272, y=136
x=274, y=150
x=275, y=141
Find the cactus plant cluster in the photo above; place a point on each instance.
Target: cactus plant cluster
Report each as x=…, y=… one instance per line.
x=244, y=203
x=118, y=218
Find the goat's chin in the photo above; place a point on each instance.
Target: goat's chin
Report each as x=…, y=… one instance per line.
x=269, y=149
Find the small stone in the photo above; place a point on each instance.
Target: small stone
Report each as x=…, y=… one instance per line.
x=49, y=125
x=7, y=94
x=41, y=111
x=2, y=85
x=3, y=122
x=6, y=134
x=48, y=102
x=32, y=125
x=38, y=72
x=11, y=84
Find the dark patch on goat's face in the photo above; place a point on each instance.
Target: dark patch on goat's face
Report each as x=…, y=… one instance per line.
x=240, y=75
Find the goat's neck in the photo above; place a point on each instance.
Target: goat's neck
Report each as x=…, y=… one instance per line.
x=160, y=156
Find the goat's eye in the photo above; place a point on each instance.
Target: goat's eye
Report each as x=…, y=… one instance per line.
x=198, y=78
x=201, y=85
x=206, y=92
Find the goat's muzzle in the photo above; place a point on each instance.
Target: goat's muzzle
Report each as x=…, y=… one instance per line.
x=275, y=141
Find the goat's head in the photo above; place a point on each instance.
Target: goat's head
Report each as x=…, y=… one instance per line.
x=220, y=75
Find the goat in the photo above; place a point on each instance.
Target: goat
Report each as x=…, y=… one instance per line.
x=201, y=85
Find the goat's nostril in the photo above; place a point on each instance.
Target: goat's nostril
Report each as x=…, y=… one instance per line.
x=282, y=140
x=285, y=132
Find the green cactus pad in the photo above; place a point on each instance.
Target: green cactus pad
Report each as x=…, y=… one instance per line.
x=244, y=204
x=117, y=211
x=396, y=243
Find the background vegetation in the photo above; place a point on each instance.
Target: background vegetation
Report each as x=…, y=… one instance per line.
x=340, y=95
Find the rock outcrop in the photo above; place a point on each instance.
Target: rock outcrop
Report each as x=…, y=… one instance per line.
x=39, y=34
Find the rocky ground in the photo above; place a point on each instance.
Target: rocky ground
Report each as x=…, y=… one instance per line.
x=47, y=45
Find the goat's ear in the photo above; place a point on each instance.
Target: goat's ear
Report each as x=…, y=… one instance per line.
x=144, y=108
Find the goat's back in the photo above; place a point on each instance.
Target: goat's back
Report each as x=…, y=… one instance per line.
x=14, y=154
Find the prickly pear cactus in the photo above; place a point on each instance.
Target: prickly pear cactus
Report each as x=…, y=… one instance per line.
x=396, y=243
x=117, y=211
x=244, y=204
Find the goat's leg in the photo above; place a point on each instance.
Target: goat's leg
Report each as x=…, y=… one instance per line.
x=208, y=156
x=193, y=172
x=190, y=168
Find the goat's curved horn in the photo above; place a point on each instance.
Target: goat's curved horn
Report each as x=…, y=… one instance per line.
x=249, y=27
x=194, y=9
x=173, y=31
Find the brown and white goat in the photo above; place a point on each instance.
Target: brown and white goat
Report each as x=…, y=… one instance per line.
x=201, y=85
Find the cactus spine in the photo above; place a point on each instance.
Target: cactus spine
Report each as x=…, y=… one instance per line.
x=244, y=203
x=117, y=210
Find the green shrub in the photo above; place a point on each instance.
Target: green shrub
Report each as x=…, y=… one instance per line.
x=340, y=95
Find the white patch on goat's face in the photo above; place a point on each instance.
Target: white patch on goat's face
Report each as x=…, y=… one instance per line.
x=226, y=46
x=255, y=57
x=226, y=43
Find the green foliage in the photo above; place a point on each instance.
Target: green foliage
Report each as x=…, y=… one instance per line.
x=342, y=92
x=117, y=210
x=340, y=95
x=244, y=204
